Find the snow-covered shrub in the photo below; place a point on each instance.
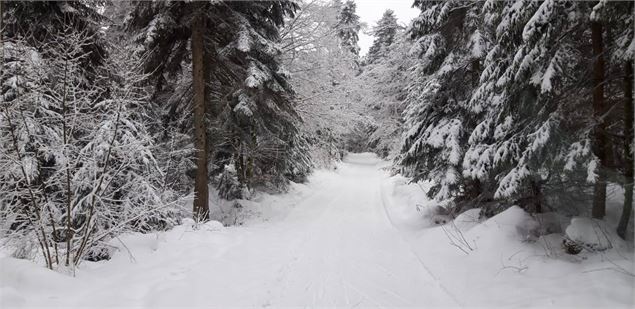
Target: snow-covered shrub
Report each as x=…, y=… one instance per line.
x=591, y=234
x=571, y=247
x=229, y=187
x=78, y=155
x=324, y=149
x=541, y=224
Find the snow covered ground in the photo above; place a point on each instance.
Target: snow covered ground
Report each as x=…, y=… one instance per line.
x=349, y=238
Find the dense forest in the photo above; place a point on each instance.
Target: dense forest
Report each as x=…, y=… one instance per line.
x=130, y=117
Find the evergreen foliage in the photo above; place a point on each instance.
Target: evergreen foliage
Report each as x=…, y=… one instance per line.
x=499, y=107
x=252, y=119
x=348, y=27
x=384, y=32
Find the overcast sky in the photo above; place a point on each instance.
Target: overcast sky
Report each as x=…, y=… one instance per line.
x=370, y=11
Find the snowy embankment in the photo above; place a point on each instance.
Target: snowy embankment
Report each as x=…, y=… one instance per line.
x=492, y=262
x=352, y=237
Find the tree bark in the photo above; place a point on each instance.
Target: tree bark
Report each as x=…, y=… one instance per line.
x=536, y=190
x=201, y=199
x=599, y=134
x=628, y=139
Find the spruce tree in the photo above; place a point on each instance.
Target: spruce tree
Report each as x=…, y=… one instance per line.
x=617, y=21
x=348, y=27
x=524, y=145
x=38, y=22
x=518, y=130
x=437, y=121
x=249, y=112
x=384, y=32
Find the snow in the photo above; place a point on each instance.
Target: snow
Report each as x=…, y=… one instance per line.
x=576, y=151
x=538, y=20
x=591, y=171
x=477, y=45
x=546, y=85
x=256, y=77
x=353, y=237
x=590, y=232
x=244, y=42
x=154, y=28
x=243, y=108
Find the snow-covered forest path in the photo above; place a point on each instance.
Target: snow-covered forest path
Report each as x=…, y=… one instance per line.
x=335, y=247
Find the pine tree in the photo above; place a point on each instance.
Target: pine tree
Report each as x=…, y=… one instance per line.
x=519, y=130
x=437, y=120
x=383, y=88
x=164, y=31
x=250, y=117
x=201, y=196
x=628, y=149
x=384, y=32
x=260, y=115
x=38, y=21
x=524, y=144
x=617, y=19
x=600, y=140
x=348, y=27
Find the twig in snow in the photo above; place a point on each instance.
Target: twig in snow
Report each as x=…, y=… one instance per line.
x=457, y=238
x=132, y=258
x=518, y=269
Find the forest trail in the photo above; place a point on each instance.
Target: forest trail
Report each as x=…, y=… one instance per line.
x=336, y=247
x=339, y=248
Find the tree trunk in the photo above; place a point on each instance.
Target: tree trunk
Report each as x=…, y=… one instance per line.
x=628, y=139
x=201, y=200
x=536, y=191
x=599, y=134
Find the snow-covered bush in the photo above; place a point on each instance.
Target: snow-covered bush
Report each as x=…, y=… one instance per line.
x=229, y=187
x=77, y=154
x=541, y=224
x=590, y=234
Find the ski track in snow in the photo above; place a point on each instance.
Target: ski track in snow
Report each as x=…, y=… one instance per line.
x=386, y=203
x=346, y=251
